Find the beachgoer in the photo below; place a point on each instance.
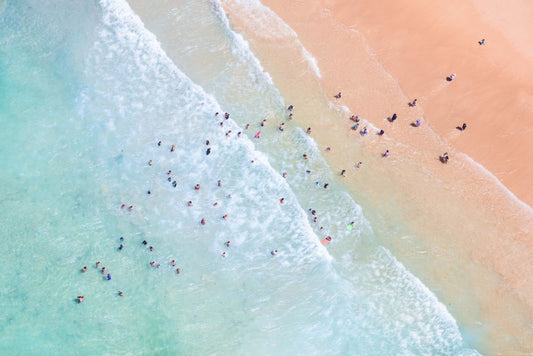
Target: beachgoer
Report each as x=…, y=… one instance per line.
x=178, y=271
x=386, y=154
x=381, y=132
x=197, y=187
x=482, y=42
x=203, y=221
x=159, y=143
x=284, y=174
x=169, y=179
x=84, y=269
x=290, y=107
x=328, y=148
x=215, y=204
x=305, y=156
x=226, y=116
x=464, y=126
x=150, y=162
x=208, y=151
x=290, y=116
x=130, y=208
x=223, y=254
x=247, y=126
x=338, y=96
x=282, y=201
x=326, y=240
x=364, y=131
x=274, y=252
x=189, y=203
x=120, y=293
x=418, y=123
x=225, y=217
x=444, y=157
x=326, y=186
x=174, y=184
x=343, y=173
x=108, y=277
x=219, y=183
x=281, y=126
x=122, y=206
x=144, y=242
x=121, y=247
x=227, y=243
x=308, y=131
x=173, y=262
x=173, y=148
x=103, y=270
x=80, y=299
x=394, y=117
x=228, y=133
x=97, y=264
x=207, y=142
x=151, y=248
x=359, y=164
x=263, y=123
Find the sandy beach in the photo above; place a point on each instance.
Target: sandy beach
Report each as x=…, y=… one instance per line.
x=472, y=238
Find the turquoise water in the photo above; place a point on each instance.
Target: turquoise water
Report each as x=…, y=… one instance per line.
x=87, y=92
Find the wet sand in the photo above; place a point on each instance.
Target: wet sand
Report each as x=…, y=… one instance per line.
x=454, y=225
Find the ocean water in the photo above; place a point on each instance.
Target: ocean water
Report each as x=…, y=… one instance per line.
x=87, y=94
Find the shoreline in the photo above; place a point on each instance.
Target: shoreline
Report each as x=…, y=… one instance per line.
x=465, y=247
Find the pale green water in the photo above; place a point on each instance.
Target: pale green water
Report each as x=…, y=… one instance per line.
x=82, y=111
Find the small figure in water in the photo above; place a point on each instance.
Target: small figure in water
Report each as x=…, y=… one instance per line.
x=173, y=262
x=84, y=269
x=290, y=107
x=120, y=293
x=150, y=162
x=263, y=123
x=326, y=240
x=159, y=143
x=80, y=299
x=203, y=221
x=108, y=277
x=308, y=131
x=173, y=148
x=197, y=187
x=223, y=254
x=326, y=186
x=227, y=243
x=274, y=252
x=343, y=173
x=282, y=201
x=189, y=203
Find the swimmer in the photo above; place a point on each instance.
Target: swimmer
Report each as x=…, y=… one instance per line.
x=343, y=173
x=274, y=252
x=308, y=131
x=215, y=204
x=281, y=127
x=120, y=293
x=197, y=187
x=305, y=156
x=203, y=221
x=284, y=174
x=169, y=172
x=225, y=217
x=326, y=240
x=150, y=162
x=247, y=126
x=315, y=219
x=121, y=247
x=174, y=184
x=159, y=143
x=263, y=123
x=173, y=262
x=208, y=151
x=80, y=299
x=226, y=115
x=239, y=134
x=108, y=277
x=328, y=148
x=122, y=206
x=228, y=133
x=178, y=271
x=144, y=242
x=173, y=148
x=227, y=243
x=84, y=269
x=149, y=192
x=207, y=142
x=151, y=249
x=219, y=183
x=223, y=254
x=290, y=116
x=130, y=208
x=221, y=124
x=103, y=270
x=282, y=201
x=189, y=203
x=290, y=107
x=97, y=264
x=326, y=186
x=169, y=179
x=121, y=238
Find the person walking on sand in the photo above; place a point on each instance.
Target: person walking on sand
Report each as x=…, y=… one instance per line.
x=338, y=96
x=386, y=154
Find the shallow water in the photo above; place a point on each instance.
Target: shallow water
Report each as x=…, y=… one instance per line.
x=82, y=113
